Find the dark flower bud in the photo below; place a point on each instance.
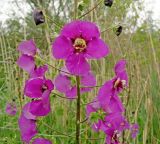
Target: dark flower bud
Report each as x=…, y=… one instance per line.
x=38, y=17
x=108, y=3
x=13, y=99
x=119, y=30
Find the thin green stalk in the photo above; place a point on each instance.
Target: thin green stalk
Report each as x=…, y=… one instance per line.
x=78, y=113
x=75, y=9
x=90, y=10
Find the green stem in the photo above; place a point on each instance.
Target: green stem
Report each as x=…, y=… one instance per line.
x=78, y=113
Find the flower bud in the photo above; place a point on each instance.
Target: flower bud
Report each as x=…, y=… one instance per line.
x=38, y=17
x=108, y=3
x=119, y=30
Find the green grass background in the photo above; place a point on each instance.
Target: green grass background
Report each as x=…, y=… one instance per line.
x=139, y=45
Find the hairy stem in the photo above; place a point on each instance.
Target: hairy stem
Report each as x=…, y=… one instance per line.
x=78, y=113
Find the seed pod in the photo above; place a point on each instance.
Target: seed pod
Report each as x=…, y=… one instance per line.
x=119, y=30
x=13, y=99
x=108, y=3
x=38, y=17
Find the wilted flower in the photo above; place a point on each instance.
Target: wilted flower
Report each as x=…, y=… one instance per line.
x=11, y=108
x=65, y=84
x=79, y=41
x=38, y=17
x=41, y=141
x=119, y=30
x=108, y=3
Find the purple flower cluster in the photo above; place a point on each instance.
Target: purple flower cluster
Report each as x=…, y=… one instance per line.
x=38, y=88
x=78, y=42
x=106, y=111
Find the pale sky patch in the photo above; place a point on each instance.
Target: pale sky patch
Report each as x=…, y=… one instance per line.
x=9, y=7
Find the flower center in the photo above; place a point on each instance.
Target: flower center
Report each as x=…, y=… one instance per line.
x=115, y=137
x=119, y=83
x=44, y=87
x=79, y=45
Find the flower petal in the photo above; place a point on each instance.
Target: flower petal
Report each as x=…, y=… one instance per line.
x=27, y=48
x=62, y=83
x=134, y=130
x=77, y=64
x=92, y=107
x=89, y=30
x=49, y=84
x=120, y=66
x=41, y=107
x=27, y=113
x=88, y=80
x=85, y=29
x=116, y=105
x=33, y=88
x=27, y=128
x=105, y=94
x=41, y=141
x=72, y=92
x=72, y=30
x=61, y=47
x=97, y=49
x=39, y=72
x=26, y=63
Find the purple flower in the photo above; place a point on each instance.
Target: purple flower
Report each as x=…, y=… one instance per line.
x=121, y=79
x=134, y=130
x=26, y=112
x=26, y=60
x=115, y=124
x=97, y=112
x=66, y=84
x=117, y=121
x=113, y=105
x=112, y=87
x=41, y=141
x=79, y=41
x=26, y=63
x=39, y=71
x=27, y=128
x=27, y=124
x=28, y=48
x=41, y=107
x=11, y=108
x=35, y=87
x=92, y=107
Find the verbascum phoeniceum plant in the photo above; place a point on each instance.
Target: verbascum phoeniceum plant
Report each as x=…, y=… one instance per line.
x=78, y=42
